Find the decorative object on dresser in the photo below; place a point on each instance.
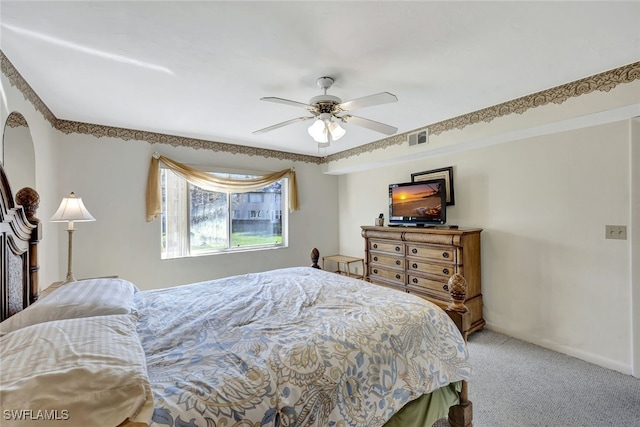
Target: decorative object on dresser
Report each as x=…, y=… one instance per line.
x=71, y=209
x=443, y=173
x=380, y=220
x=421, y=261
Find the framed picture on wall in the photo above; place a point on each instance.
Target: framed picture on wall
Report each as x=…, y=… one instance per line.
x=444, y=173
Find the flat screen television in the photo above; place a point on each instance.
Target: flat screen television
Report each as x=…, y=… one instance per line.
x=420, y=204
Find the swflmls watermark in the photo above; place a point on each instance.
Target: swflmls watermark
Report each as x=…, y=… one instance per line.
x=35, y=415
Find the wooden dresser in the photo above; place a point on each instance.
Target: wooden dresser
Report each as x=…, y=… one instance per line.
x=421, y=260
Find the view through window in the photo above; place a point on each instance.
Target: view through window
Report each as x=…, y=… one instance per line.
x=196, y=221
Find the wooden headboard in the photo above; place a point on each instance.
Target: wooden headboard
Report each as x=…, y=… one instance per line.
x=20, y=232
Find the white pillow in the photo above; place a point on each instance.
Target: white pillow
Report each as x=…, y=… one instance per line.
x=75, y=372
x=84, y=298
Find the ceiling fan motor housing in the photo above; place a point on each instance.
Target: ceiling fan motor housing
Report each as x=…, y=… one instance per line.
x=325, y=103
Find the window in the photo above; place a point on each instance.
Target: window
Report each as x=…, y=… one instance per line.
x=197, y=222
x=256, y=197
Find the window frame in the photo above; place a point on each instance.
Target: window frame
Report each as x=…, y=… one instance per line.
x=187, y=250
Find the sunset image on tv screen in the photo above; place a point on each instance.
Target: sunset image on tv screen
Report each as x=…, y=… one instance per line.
x=417, y=201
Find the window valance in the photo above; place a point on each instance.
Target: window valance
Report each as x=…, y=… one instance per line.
x=211, y=182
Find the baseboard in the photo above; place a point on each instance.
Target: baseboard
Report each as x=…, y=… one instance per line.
x=604, y=362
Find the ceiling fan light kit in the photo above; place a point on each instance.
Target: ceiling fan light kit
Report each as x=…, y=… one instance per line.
x=325, y=130
x=336, y=130
x=325, y=108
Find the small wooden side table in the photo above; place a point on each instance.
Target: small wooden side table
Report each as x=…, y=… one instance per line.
x=52, y=287
x=344, y=265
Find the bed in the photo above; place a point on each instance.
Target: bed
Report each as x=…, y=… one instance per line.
x=288, y=347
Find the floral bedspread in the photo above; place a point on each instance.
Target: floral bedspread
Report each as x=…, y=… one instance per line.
x=292, y=347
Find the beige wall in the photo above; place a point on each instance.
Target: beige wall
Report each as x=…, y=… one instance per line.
x=19, y=158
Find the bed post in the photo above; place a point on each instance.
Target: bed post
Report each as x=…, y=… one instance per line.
x=315, y=255
x=460, y=415
x=30, y=201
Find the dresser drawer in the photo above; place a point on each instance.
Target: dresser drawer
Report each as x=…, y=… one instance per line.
x=396, y=276
x=386, y=246
x=439, y=298
x=445, y=253
x=418, y=283
x=390, y=260
x=442, y=270
x=387, y=284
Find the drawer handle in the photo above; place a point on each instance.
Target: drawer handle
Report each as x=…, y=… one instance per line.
x=375, y=258
x=375, y=246
x=446, y=288
x=445, y=254
x=415, y=280
x=397, y=262
x=397, y=276
x=414, y=265
x=414, y=251
x=397, y=248
x=445, y=270
x=375, y=270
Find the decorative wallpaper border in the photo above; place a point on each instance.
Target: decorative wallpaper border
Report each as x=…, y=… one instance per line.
x=68, y=127
x=29, y=94
x=600, y=82
x=16, y=119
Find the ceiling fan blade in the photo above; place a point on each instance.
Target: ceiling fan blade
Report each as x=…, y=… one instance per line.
x=287, y=102
x=368, y=101
x=369, y=124
x=279, y=125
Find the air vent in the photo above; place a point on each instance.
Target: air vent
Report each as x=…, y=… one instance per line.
x=418, y=138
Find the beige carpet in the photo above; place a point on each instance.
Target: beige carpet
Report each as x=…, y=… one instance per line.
x=517, y=384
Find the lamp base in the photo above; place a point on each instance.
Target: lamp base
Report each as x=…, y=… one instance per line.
x=70, y=277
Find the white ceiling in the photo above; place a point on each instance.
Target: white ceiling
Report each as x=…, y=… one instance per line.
x=198, y=69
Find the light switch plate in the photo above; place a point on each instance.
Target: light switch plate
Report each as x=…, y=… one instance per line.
x=615, y=232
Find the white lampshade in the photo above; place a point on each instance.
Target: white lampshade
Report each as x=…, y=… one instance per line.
x=324, y=130
x=336, y=130
x=318, y=131
x=72, y=209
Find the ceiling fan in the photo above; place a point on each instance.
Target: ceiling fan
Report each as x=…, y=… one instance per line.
x=325, y=108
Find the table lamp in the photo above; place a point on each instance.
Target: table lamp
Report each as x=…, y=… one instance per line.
x=71, y=209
